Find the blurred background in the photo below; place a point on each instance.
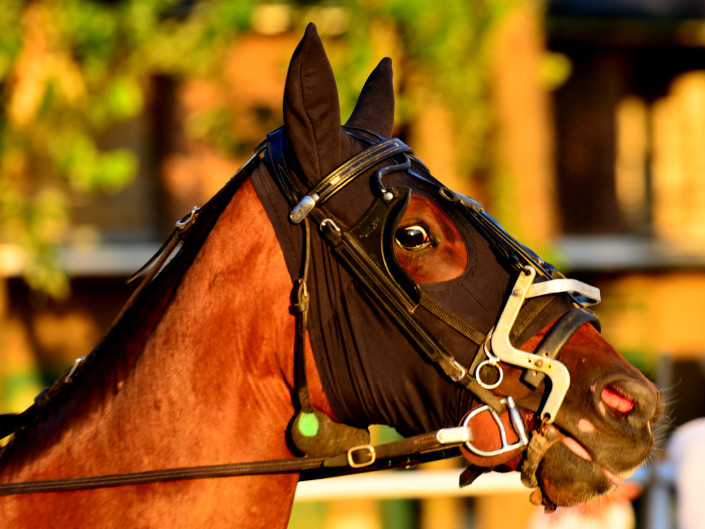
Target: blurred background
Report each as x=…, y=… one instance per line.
x=580, y=124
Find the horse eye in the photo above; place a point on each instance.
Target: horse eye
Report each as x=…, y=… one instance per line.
x=413, y=238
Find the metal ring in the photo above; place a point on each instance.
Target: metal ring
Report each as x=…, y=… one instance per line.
x=500, y=374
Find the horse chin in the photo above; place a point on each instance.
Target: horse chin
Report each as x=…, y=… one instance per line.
x=567, y=475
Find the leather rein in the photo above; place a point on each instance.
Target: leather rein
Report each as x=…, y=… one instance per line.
x=536, y=279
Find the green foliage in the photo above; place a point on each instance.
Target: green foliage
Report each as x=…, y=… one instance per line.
x=448, y=42
x=70, y=70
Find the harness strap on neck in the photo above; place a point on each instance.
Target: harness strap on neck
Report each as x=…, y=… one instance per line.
x=174, y=258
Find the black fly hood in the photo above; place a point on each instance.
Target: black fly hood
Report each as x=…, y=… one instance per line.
x=389, y=349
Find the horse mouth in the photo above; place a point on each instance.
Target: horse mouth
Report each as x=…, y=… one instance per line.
x=569, y=473
x=579, y=450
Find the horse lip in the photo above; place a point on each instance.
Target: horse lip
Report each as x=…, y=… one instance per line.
x=575, y=447
x=580, y=451
x=612, y=477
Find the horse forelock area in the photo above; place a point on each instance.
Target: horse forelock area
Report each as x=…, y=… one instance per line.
x=211, y=385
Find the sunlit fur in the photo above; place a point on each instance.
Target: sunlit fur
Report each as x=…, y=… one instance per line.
x=211, y=385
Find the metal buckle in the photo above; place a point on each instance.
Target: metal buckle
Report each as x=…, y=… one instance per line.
x=188, y=219
x=361, y=456
x=77, y=362
x=328, y=223
x=517, y=424
x=456, y=371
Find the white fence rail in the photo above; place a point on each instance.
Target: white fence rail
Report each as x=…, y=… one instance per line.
x=391, y=484
x=657, y=480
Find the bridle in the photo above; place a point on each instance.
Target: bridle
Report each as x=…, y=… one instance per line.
x=351, y=246
x=535, y=278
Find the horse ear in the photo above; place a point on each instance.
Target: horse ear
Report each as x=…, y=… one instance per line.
x=375, y=107
x=312, y=109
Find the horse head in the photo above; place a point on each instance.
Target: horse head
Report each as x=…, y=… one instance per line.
x=425, y=313
x=412, y=308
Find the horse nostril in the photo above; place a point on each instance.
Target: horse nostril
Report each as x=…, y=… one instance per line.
x=617, y=400
x=629, y=399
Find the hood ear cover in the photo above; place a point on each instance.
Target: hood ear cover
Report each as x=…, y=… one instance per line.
x=312, y=109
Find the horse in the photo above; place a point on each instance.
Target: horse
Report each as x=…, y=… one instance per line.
x=332, y=284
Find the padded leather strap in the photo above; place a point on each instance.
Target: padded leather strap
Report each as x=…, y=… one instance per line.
x=556, y=338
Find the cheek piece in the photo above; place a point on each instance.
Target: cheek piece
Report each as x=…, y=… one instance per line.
x=536, y=279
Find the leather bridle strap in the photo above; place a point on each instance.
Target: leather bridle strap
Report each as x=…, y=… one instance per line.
x=346, y=173
x=299, y=309
x=554, y=340
x=440, y=444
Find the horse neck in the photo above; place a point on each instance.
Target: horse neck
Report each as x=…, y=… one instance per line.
x=226, y=337
x=211, y=385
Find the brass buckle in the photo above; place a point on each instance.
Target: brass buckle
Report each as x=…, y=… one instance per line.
x=361, y=456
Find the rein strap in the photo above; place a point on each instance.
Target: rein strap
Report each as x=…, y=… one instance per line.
x=364, y=458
